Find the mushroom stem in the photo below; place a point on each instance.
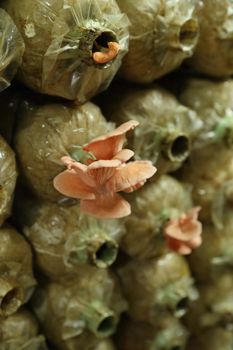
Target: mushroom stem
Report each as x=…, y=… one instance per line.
x=109, y=55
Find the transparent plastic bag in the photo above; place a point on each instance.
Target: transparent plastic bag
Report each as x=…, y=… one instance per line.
x=214, y=52
x=213, y=103
x=166, y=130
x=214, y=306
x=168, y=333
x=162, y=34
x=20, y=331
x=11, y=49
x=211, y=338
x=46, y=133
x=83, y=312
x=216, y=254
x=152, y=207
x=154, y=286
x=210, y=165
x=16, y=275
x=60, y=39
x=66, y=241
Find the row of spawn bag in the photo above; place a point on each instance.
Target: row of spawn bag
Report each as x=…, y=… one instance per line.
x=64, y=41
x=86, y=317
x=73, y=49
x=208, y=174
x=174, y=147
x=39, y=229
x=68, y=244
x=219, y=133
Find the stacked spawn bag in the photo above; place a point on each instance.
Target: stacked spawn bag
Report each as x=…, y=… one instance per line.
x=210, y=166
x=18, y=328
x=213, y=54
x=20, y=331
x=80, y=313
x=166, y=129
x=78, y=302
x=11, y=51
x=157, y=282
x=91, y=317
x=209, y=170
x=73, y=48
x=162, y=34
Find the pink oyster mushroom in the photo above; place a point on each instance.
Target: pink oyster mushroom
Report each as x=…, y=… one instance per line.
x=96, y=183
x=184, y=234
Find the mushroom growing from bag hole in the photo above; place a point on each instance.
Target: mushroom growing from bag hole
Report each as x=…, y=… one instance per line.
x=64, y=240
x=73, y=48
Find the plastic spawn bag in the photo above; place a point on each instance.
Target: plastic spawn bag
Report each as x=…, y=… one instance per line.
x=20, y=331
x=216, y=252
x=80, y=314
x=214, y=52
x=47, y=132
x=166, y=130
x=213, y=103
x=66, y=241
x=213, y=338
x=16, y=276
x=11, y=49
x=210, y=166
x=168, y=333
x=154, y=286
x=162, y=34
x=73, y=48
x=152, y=207
x=214, y=306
